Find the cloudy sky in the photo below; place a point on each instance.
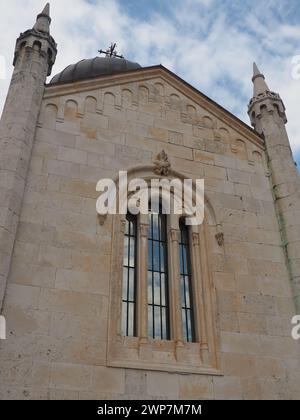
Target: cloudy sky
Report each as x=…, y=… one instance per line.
x=209, y=43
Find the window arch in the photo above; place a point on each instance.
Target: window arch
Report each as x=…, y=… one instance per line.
x=173, y=323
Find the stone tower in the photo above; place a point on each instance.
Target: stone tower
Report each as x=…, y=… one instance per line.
x=267, y=115
x=33, y=60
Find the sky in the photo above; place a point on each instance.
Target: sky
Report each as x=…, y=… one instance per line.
x=209, y=43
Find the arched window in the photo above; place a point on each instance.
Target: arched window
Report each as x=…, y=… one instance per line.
x=129, y=277
x=186, y=284
x=161, y=313
x=158, y=291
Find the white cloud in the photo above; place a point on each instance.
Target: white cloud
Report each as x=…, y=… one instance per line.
x=209, y=43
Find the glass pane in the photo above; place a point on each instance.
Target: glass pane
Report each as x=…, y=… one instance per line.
x=182, y=291
x=181, y=260
x=155, y=256
x=150, y=230
x=131, y=320
x=189, y=326
x=124, y=318
x=184, y=235
x=155, y=227
x=150, y=321
x=132, y=252
x=125, y=274
x=164, y=324
x=187, y=292
x=184, y=324
x=131, y=285
x=163, y=290
x=150, y=267
x=156, y=289
x=150, y=287
x=162, y=258
x=157, y=322
x=163, y=226
x=126, y=246
x=185, y=266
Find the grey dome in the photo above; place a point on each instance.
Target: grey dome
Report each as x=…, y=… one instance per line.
x=98, y=66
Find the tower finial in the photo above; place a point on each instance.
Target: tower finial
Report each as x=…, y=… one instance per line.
x=46, y=10
x=260, y=86
x=256, y=71
x=43, y=20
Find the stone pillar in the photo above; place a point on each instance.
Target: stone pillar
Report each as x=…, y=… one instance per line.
x=34, y=57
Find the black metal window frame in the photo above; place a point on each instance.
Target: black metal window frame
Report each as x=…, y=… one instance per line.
x=129, y=324
x=187, y=306
x=158, y=289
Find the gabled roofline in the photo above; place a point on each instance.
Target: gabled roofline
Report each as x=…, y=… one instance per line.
x=61, y=88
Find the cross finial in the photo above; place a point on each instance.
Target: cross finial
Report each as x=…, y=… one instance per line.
x=111, y=51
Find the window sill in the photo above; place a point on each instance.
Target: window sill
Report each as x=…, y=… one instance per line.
x=164, y=356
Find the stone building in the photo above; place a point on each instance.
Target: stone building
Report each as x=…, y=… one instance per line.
x=86, y=320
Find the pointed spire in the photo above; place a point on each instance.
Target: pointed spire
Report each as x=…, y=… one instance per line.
x=43, y=20
x=46, y=10
x=260, y=86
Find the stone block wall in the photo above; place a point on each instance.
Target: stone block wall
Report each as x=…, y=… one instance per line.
x=56, y=302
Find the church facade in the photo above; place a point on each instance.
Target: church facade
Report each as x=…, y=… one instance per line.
x=143, y=307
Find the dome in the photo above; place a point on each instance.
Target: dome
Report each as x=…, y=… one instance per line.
x=98, y=66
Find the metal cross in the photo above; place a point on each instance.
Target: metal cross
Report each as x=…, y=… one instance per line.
x=111, y=51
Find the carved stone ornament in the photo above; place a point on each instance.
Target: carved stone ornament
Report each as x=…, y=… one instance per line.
x=220, y=238
x=162, y=164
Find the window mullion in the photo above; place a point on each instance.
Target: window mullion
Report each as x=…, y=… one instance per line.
x=175, y=287
x=198, y=295
x=142, y=283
